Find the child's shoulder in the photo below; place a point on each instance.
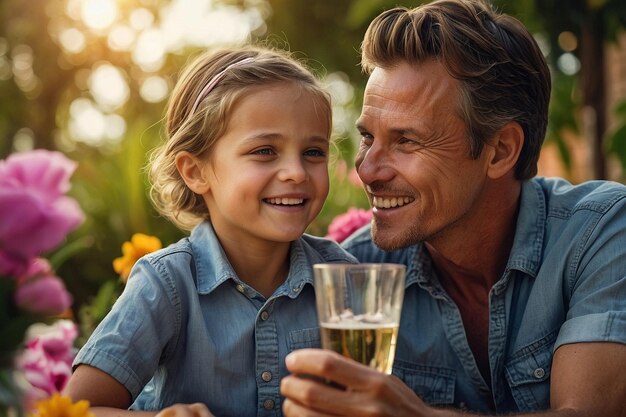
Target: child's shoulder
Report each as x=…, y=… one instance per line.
x=323, y=250
x=180, y=251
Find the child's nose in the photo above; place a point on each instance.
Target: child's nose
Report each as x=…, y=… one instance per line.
x=293, y=169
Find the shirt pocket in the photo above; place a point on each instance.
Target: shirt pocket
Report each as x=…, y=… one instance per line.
x=304, y=338
x=435, y=385
x=528, y=374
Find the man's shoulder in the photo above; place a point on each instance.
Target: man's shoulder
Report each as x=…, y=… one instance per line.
x=597, y=195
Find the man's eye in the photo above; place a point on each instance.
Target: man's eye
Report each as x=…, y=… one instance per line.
x=366, y=138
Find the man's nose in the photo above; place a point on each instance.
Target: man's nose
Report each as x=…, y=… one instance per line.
x=373, y=164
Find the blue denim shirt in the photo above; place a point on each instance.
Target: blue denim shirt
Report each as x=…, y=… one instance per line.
x=565, y=282
x=189, y=330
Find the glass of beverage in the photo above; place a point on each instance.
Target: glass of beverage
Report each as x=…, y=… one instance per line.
x=358, y=307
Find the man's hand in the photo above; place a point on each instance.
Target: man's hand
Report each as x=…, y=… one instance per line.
x=186, y=410
x=367, y=392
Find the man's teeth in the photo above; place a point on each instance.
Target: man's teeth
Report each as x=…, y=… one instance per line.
x=286, y=201
x=380, y=202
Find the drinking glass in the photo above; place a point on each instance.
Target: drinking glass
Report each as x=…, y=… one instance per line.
x=358, y=307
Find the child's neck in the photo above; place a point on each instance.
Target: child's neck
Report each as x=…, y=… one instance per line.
x=263, y=267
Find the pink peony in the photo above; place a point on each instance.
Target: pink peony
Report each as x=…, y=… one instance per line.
x=345, y=224
x=35, y=215
x=40, y=292
x=47, y=357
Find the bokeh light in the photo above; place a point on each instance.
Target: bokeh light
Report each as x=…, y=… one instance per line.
x=98, y=14
x=154, y=89
x=108, y=86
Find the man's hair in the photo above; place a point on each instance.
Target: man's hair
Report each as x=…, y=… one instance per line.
x=199, y=110
x=502, y=73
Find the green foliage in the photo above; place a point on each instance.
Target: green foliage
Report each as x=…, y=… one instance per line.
x=92, y=312
x=617, y=140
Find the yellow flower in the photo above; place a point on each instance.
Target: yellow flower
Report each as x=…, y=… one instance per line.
x=62, y=406
x=139, y=245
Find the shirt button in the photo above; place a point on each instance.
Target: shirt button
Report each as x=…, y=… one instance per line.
x=539, y=373
x=266, y=376
x=265, y=315
x=240, y=288
x=268, y=404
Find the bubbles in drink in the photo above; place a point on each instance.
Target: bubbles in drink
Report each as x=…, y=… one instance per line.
x=367, y=338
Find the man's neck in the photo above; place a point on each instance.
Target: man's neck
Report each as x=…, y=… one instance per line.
x=479, y=250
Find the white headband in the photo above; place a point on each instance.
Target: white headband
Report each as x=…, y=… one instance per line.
x=216, y=79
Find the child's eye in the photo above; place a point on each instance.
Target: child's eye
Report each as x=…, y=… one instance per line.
x=315, y=152
x=264, y=151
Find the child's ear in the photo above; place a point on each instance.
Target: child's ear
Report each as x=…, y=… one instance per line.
x=190, y=169
x=507, y=146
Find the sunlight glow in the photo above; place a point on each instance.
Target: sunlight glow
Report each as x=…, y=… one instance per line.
x=98, y=14
x=141, y=19
x=72, y=40
x=154, y=89
x=149, y=52
x=568, y=63
x=121, y=38
x=108, y=86
x=147, y=34
x=86, y=122
x=89, y=125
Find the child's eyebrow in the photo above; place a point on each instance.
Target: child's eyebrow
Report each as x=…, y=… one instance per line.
x=265, y=136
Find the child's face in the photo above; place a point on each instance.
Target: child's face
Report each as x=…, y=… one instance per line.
x=268, y=174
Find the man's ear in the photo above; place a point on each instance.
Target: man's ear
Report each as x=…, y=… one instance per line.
x=507, y=145
x=190, y=169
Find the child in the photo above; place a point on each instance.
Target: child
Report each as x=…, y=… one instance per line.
x=211, y=318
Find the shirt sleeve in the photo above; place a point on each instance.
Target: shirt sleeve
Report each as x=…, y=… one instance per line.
x=140, y=328
x=597, y=283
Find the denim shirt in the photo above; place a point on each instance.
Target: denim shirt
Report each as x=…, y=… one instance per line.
x=564, y=282
x=189, y=330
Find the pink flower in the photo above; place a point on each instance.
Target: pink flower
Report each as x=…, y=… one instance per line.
x=345, y=224
x=353, y=177
x=40, y=292
x=35, y=215
x=47, y=357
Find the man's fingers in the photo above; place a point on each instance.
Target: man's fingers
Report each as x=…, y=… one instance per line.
x=329, y=365
x=293, y=409
x=200, y=410
x=186, y=410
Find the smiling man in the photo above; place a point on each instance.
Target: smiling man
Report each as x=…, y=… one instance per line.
x=516, y=285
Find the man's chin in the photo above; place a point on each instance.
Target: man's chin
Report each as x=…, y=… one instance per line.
x=389, y=239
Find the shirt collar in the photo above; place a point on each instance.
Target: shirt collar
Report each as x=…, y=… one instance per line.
x=213, y=267
x=530, y=229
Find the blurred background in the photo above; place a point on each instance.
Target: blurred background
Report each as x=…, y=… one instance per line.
x=91, y=77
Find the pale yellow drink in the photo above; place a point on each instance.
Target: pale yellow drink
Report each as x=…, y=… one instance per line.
x=371, y=344
x=358, y=307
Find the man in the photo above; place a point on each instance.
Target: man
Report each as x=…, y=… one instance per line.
x=516, y=286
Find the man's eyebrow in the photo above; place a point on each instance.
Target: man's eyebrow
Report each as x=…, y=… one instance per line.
x=398, y=131
x=411, y=131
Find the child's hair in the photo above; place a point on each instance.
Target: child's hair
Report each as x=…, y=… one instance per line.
x=198, y=114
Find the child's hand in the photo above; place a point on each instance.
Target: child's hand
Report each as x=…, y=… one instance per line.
x=186, y=410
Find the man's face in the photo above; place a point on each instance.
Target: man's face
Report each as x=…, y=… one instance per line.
x=414, y=156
